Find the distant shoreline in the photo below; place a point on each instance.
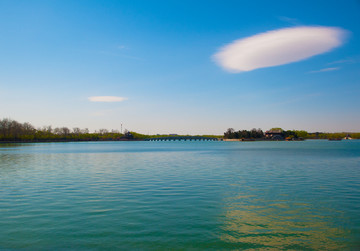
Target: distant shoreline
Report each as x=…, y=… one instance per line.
x=62, y=141
x=134, y=140
x=12, y=131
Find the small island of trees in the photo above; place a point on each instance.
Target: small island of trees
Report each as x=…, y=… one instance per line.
x=258, y=134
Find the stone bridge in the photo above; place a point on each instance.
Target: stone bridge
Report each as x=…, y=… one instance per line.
x=184, y=138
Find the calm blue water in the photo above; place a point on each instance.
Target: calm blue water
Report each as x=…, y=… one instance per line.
x=180, y=195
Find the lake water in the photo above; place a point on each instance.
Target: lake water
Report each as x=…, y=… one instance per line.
x=180, y=195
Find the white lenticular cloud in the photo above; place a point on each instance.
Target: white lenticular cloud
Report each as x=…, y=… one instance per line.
x=106, y=99
x=278, y=47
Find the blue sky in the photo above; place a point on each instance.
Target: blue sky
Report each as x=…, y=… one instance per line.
x=159, y=60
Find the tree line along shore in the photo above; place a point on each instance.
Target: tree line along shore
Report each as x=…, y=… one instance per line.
x=13, y=131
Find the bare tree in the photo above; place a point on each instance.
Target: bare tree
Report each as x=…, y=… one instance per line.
x=47, y=129
x=103, y=131
x=76, y=130
x=65, y=131
x=57, y=131
x=85, y=131
x=28, y=128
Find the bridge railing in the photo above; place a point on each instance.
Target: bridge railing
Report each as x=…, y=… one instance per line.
x=184, y=138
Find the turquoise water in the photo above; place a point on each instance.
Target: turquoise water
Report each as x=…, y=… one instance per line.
x=180, y=195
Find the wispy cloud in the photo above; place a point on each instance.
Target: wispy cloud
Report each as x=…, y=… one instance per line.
x=326, y=69
x=343, y=61
x=289, y=20
x=278, y=47
x=121, y=47
x=106, y=99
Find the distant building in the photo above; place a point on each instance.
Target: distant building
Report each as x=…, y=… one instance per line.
x=274, y=134
x=128, y=135
x=347, y=136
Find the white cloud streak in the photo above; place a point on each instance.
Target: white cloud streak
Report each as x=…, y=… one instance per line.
x=106, y=99
x=290, y=20
x=278, y=47
x=343, y=61
x=326, y=69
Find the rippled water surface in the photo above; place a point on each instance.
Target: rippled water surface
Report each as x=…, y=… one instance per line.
x=180, y=195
